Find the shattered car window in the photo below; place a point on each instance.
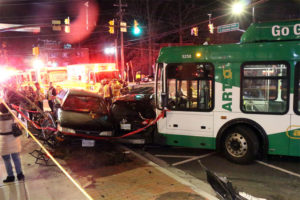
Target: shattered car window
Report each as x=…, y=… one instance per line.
x=142, y=90
x=84, y=104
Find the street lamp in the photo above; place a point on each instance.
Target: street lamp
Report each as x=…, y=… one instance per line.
x=238, y=8
x=37, y=63
x=110, y=50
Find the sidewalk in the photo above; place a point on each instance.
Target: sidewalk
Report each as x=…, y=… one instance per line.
x=41, y=182
x=132, y=179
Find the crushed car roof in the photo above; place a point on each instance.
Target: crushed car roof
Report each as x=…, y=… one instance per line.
x=81, y=92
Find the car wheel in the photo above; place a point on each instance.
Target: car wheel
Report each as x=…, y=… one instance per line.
x=49, y=135
x=240, y=145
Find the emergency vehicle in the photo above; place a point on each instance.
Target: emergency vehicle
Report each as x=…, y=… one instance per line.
x=44, y=76
x=89, y=76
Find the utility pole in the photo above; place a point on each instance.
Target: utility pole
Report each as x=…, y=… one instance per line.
x=253, y=4
x=116, y=53
x=149, y=40
x=180, y=22
x=120, y=14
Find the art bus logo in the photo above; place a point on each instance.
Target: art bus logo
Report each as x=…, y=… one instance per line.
x=227, y=89
x=293, y=134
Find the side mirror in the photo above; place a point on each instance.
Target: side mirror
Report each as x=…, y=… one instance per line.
x=164, y=100
x=151, y=96
x=57, y=106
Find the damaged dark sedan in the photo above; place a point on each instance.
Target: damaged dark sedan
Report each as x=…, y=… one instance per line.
x=135, y=110
x=82, y=112
x=85, y=114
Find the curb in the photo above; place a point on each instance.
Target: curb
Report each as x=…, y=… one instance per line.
x=196, y=186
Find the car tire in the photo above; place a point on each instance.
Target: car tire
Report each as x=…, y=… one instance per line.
x=49, y=135
x=240, y=145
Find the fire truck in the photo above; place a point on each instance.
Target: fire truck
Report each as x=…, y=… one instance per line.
x=44, y=76
x=89, y=76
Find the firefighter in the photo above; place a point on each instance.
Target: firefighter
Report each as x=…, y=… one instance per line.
x=101, y=88
x=116, y=88
x=124, y=87
x=107, y=93
x=39, y=97
x=51, y=94
x=138, y=76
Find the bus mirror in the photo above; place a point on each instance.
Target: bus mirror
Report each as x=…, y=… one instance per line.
x=164, y=100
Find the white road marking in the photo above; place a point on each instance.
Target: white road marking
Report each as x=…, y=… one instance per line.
x=173, y=156
x=278, y=168
x=198, y=188
x=192, y=159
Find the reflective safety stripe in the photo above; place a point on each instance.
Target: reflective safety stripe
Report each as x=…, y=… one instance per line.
x=50, y=91
x=107, y=91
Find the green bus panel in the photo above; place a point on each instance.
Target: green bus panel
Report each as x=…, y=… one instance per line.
x=279, y=144
x=189, y=141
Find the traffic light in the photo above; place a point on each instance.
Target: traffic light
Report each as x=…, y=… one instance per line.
x=111, y=27
x=67, y=25
x=136, y=29
x=211, y=28
x=35, y=51
x=194, y=31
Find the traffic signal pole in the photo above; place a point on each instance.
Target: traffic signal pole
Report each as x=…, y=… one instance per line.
x=116, y=53
x=149, y=40
x=120, y=13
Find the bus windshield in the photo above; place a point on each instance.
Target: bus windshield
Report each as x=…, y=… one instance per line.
x=190, y=86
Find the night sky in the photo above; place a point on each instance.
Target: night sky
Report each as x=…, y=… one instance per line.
x=164, y=16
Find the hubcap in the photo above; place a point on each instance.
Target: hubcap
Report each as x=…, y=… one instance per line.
x=236, y=145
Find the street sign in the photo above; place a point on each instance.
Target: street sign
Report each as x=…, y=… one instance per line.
x=56, y=25
x=123, y=26
x=228, y=27
x=56, y=22
x=20, y=28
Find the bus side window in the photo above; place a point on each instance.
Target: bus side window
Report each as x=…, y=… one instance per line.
x=264, y=87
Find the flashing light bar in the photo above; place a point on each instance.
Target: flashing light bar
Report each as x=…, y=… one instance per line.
x=108, y=67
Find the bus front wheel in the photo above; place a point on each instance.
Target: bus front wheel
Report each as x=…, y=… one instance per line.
x=240, y=145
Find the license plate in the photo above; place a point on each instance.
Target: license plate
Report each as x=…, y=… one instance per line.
x=88, y=143
x=125, y=126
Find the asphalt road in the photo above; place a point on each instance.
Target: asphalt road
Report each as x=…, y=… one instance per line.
x=276, y=177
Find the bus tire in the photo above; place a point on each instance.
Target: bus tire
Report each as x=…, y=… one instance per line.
x=240, y=145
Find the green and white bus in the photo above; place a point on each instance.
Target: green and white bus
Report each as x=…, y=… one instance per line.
x=242, y=99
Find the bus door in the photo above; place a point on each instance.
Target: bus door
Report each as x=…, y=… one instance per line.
x=294, y=130
x=189, y=90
